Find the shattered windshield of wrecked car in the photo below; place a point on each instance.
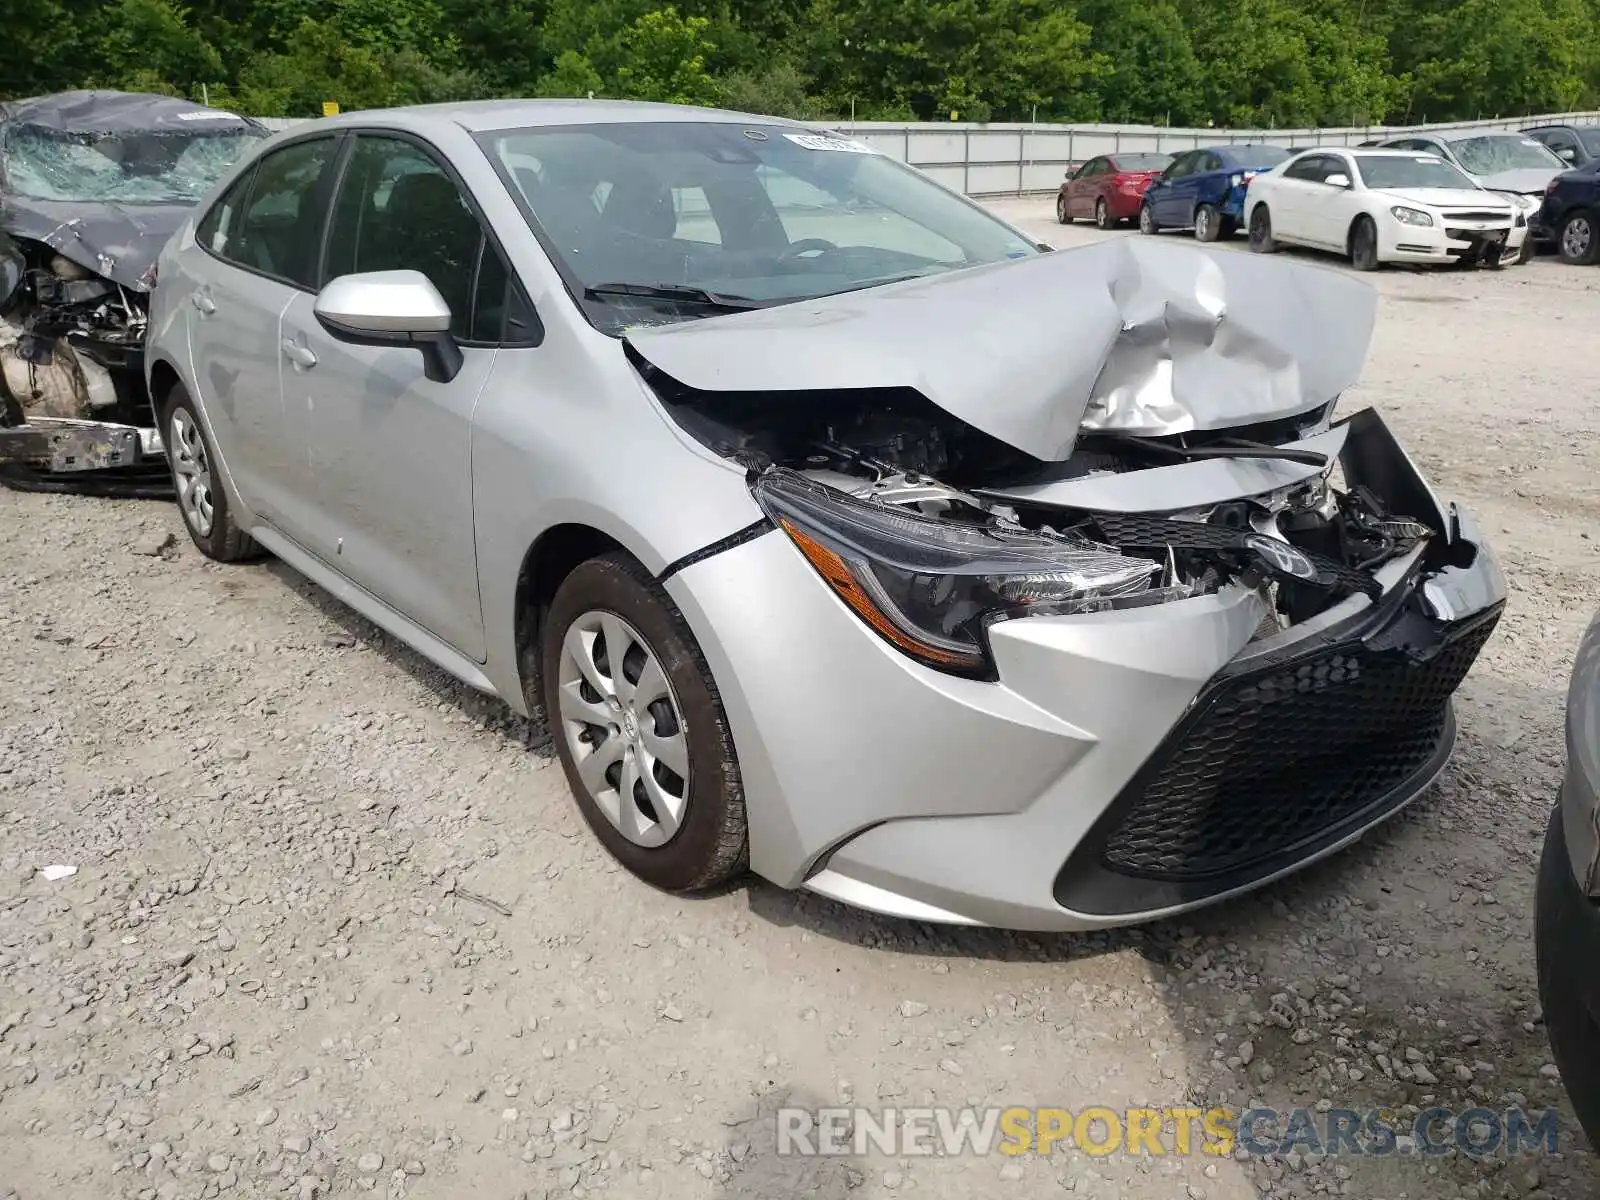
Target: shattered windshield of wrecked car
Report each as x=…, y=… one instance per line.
x=119, y=168
x=1503, y=152
x=658, y=222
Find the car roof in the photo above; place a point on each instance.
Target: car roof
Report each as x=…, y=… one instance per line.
x=1383, y=152
x=479, y=116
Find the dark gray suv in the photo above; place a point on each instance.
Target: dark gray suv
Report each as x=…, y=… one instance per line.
x=1567, y=930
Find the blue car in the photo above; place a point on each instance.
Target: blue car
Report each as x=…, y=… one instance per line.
x=1204, y=189
x=1570, y=214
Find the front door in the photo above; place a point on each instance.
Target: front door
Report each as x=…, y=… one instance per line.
x=390, y=449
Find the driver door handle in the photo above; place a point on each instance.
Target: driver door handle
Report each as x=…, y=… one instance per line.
x=300, y=356
x=203, y=302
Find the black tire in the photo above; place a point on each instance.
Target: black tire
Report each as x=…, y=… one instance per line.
x=1525, y=255
x=1578, y=240
x=711, y=845
x=1207, y=223
x=1102, y=215
x=1061, y=210
x=1261, y=230
x=1364, y=244
x=224, y=541
x=1147, y=221
x=1566, y=942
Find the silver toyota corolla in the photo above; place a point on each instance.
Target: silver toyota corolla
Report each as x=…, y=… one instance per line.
x=840, y=530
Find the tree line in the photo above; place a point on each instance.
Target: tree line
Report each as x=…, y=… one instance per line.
x=1241, y=63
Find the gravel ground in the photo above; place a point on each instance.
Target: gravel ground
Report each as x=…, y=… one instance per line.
x=336, y=927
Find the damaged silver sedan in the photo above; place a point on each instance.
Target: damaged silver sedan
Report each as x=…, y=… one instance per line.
x=91, y=186
x=838, y=530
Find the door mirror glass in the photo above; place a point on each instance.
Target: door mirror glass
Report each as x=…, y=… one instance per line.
x=392, y=308
x=1568, y=153
x=1338, y=179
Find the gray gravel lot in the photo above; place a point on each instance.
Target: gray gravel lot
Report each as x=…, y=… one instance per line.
x=336, y=927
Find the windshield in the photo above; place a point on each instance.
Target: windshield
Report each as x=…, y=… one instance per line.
x=1404, y=171
x=751, y=214
x=122, y=168
x=1503, y=152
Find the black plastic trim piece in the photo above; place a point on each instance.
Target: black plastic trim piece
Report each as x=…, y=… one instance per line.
x=1087, y=885
x=748, y=534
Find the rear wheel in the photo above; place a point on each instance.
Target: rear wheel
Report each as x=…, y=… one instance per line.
x=1364, y=245
x=1261, y=230
x=640, y=728
x=201, y=498
x=1061, y=211
x=1102, y=214
x=1207, y=223
x=1147, y=220
x=1579, y=239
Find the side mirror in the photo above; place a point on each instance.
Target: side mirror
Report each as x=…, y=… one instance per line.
x=392, y=308
x=1568, y=153
x=1338, y=180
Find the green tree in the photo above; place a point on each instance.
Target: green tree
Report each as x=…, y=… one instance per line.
x=662, y=56
x=1151, y=72
x=149, y=45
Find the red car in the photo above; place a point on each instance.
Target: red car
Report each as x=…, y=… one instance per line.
x=1108, y=188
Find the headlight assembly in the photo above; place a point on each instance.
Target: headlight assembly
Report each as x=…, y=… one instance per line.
x=930, y=587
x=1410, y=216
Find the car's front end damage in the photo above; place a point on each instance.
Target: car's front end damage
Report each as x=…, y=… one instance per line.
x=91, y=186
x=1082, y=607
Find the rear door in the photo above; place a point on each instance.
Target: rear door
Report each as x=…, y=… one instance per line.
x=255, y=253
x=390, y=449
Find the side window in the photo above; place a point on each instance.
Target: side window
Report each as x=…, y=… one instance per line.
x=1096, y=167
x=1304, y=169
x=1562, y=143
x=221, y=225
x=280, y=225
x=1211, y=162
x=501, y=312
x=1180, y=166
x=397, y=210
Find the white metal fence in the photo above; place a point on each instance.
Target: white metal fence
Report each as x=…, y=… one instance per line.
x=999, y=160
x=1002, y=160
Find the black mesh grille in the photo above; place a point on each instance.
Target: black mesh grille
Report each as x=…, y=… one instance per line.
x=1278, y=758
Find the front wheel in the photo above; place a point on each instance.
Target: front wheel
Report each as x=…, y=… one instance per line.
x=1147, y=220
x=1579, y=241
x=640, y=728
x=1061, y=211
x=201, y=498
x=1364, y=245
x=1102, y=214
x=1207, y=223
x=1261, y=230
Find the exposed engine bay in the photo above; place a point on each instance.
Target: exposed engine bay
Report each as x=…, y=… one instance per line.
x=72, y=362
x=1306, y=546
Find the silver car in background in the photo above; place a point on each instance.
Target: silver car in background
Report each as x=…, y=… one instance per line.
x=1511, y=163
x=839, y=530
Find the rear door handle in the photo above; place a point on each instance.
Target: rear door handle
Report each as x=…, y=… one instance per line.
x=300, y=356
x=203, y=302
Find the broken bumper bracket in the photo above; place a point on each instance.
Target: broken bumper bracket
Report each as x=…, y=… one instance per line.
x=63, y=446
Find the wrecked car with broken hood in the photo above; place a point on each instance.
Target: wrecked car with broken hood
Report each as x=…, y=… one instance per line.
x=838, y=530
x=91, y=186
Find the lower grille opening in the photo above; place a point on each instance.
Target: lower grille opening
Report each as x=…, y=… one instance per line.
x=1275, y=761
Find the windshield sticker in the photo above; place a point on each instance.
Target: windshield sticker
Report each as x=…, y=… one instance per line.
x=817, y=141
x=210, y=115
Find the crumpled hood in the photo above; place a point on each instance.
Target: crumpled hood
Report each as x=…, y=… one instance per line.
x=118, y=241
x=1523, y=179
x=1134, y=335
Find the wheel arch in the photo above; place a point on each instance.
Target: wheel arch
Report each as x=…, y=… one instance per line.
x=1350, y=230
x=552, y=556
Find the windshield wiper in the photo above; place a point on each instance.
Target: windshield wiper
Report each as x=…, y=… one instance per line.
x=1226, y=448
x=681, y=292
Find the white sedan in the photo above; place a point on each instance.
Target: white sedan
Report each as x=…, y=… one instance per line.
x=1378, y=206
